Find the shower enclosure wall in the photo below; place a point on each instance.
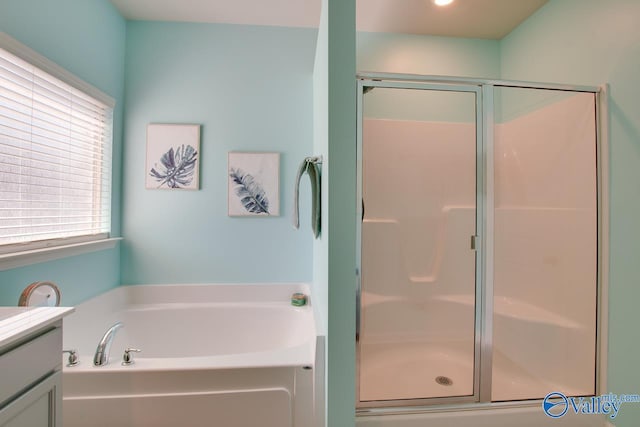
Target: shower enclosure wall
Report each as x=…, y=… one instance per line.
x=479, y=241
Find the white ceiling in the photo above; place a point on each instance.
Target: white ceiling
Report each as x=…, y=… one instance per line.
x=490, y=19
x=486, y=19
x=285, y=13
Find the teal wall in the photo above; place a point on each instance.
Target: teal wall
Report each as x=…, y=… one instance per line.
x=321, y=245
x=592, y=42
x=251, y=89
x=87, y=37
x=79, y=278
x=321, y=148
x=341, y=211
x=428, y=55
x=334, y=276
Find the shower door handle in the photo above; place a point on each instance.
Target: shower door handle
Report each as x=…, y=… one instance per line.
x=474, y=242
x=358, y=302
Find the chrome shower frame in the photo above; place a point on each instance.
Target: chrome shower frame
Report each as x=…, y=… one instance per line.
x=484, y=92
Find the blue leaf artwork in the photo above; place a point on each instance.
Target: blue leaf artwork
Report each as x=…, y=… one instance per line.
x=178, y=167
x=251, y=194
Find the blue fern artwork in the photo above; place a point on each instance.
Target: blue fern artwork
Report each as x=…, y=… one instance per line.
x=251, y=194
x=177, y=167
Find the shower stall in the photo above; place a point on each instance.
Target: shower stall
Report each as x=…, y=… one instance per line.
x=480, y=242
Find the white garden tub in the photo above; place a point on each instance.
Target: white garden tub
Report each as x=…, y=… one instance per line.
x=228, y=355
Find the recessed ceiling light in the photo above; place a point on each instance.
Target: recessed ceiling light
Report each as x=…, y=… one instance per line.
x=442, y=2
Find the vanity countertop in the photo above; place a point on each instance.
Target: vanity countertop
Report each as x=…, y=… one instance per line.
x=18, y=322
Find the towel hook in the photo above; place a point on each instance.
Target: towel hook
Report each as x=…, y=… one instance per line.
x=315, y=160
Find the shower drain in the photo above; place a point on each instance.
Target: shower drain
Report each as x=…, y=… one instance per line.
x=444, y=380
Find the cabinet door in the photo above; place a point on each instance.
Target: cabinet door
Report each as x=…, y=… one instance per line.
x=38, y=407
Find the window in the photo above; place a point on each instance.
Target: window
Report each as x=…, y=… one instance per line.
x=55, y=154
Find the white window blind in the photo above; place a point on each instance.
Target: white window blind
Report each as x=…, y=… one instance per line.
x=55, y=159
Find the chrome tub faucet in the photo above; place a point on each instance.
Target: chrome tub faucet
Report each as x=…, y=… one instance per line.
x=101, y=357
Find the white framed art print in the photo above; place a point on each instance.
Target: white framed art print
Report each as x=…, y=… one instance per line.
x=173, y=156
x=254, y=184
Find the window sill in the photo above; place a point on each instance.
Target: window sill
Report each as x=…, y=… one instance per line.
x=21, y=259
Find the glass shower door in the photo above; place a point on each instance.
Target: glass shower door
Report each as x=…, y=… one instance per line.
x=417, y=335
x=546, y=244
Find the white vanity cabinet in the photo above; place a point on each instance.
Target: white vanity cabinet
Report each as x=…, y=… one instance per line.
x=31, y=368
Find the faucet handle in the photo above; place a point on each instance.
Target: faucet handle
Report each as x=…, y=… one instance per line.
x=73, y=357
x=127, y=357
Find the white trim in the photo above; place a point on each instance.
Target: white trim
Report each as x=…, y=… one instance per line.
x=16, y=248
x=25, y=53
x=21, y=259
